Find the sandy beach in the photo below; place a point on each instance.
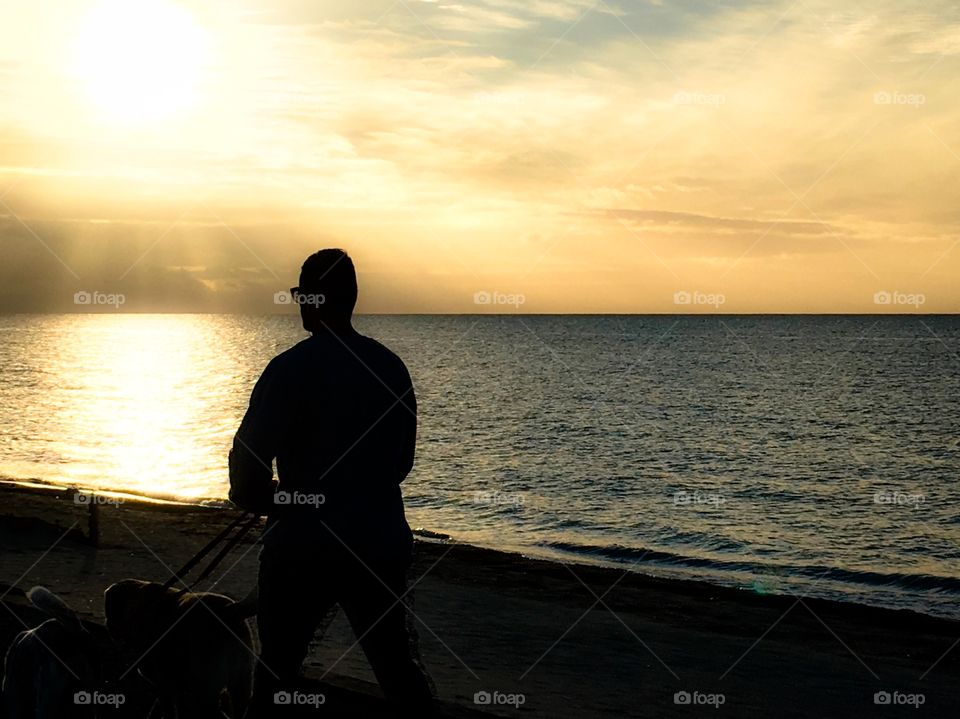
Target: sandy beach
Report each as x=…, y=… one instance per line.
x=564, y=640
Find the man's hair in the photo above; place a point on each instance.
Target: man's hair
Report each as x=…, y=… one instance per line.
x=330, y=273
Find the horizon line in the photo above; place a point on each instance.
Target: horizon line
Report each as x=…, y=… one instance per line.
x=509, y=314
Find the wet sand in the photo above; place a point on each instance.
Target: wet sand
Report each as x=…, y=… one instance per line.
x=571, y=640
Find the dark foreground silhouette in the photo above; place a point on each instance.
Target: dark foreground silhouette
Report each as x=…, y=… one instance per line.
x=66, y=667
x=498, y=615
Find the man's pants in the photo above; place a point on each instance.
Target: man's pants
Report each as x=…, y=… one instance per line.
x=298, y=590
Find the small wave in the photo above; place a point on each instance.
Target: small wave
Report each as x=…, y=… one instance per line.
x=900, y=580
x=708, y=542
x=620, y=555
x=428, y=534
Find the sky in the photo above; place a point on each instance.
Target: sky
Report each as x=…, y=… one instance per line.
x=622, y=156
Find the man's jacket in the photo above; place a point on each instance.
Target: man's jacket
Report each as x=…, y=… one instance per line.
x=338, y=415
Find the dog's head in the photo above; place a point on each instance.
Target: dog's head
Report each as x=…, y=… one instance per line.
x=131, y=604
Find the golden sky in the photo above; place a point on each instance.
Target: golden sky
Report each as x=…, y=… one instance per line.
x=556, y=155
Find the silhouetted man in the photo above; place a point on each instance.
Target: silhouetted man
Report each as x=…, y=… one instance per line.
x=337, y=412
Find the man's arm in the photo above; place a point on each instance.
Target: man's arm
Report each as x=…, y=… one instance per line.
x=407, y=409
x=255, y=445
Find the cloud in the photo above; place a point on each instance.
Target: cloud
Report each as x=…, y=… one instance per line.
x=689, y=219
x=439, y=138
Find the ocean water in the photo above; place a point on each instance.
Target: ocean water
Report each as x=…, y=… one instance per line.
x=808, y=455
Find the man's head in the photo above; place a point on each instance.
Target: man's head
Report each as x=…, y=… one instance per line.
x=327, y=292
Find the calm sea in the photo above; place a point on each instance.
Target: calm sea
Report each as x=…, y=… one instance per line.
x=779, y=454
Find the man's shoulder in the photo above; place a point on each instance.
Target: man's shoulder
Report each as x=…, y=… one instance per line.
x=382, y=354
x=288, y=359
x=377, y=347
x=291, y=354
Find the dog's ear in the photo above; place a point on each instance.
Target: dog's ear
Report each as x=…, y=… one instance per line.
x=52, y=605
x=246, y=607
x=129, y=597
x=114, y=605
x=116, y=598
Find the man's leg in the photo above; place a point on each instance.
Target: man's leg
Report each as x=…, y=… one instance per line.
x=380, y=623
x=292, y=603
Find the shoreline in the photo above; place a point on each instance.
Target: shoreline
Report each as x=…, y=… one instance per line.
x=652, y=573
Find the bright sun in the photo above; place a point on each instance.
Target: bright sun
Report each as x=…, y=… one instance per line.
x=141, y=61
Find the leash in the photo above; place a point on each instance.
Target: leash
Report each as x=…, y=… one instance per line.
x=198, y=557
x=228, y=547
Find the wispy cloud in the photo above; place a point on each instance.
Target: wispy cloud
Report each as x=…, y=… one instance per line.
x=669, y=137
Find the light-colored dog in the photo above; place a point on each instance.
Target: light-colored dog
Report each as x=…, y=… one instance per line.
x=195, y=648
x=50, y=670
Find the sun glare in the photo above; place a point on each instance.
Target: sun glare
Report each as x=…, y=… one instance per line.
x=140, y=61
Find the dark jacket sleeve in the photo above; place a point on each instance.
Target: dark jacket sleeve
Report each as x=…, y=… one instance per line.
x=255, y=444
x=407, y=418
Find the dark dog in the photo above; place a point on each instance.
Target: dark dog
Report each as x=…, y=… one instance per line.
x=194, y=648
x=51, y=671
